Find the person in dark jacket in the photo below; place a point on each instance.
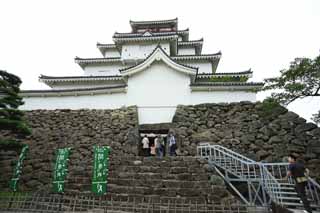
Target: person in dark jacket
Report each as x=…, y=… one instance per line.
x=298, y=172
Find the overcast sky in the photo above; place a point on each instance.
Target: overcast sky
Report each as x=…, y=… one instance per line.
x=43, y=37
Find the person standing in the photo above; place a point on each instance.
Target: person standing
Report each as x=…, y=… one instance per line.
x=172, y=144
x=298, y=172
x=153, y=150
x=145, y=146
x=159, y=145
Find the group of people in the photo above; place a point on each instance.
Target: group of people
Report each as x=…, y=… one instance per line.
x=158, y=148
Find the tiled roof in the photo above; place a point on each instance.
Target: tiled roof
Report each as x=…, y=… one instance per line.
x=146, y=38
x=190, y=43
x=96, y=60
x=197, y=44
x=85, y=61
x=49, y=79
x=153, y=22
x=78, y=91
x=227, y=84
x=209, y=75
x=112, y=46
x=197, y=57
x=123, y=35
x=73, y=77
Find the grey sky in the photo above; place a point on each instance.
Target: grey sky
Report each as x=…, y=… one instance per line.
x=43, y=37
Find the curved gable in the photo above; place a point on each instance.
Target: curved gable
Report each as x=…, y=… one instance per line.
x=159, y=55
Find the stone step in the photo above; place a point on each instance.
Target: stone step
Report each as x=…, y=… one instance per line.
x=216, y=191
x=155, y=198
x=151, y=175
x=155, y=169
x=153, y=190
x=172, y=161
x=146, y=183
x=159, y=182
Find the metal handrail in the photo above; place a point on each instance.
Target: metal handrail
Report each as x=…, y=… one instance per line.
x=270, y=183
x=234, y=153
x=270, y=175
x=280, y=169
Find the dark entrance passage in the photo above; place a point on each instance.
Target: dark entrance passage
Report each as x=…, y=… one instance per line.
x=151, y=131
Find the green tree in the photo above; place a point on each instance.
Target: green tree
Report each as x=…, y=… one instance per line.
x=300, y=80
x=11, y=118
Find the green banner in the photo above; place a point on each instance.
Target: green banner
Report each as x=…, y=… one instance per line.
x=100, y=169
x=60, y=169
x=13, y=184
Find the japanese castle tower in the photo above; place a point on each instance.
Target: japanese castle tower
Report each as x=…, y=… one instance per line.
x=155, y=67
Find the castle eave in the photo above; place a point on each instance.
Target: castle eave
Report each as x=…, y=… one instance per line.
x=52, y=79
x=227, y=86
x=247, y=73
x=74, y=92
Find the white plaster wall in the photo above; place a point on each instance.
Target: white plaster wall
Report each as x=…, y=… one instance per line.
x=186, y=51
x=149, y=115
x=204, y=67
x=141, y=51
x=221, y=97
x=156, y=91
x=104, y=101
x=111, y=53
x=103, y=69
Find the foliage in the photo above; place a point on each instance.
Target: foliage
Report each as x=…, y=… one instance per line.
x=10, y=144
x=301, y=80
x=11, y=118
x=270, y=107
x=229, y=79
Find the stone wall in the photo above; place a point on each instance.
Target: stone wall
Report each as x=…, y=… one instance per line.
x=249, y=128
x=244, y=127
x=78, y=129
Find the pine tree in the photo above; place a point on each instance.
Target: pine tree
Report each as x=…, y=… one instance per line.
x=11, y=118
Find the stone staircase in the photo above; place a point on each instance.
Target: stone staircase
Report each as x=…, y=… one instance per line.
x=158, y=179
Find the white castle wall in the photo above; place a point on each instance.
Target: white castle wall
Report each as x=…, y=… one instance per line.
x=221, y=97
x=204, y=67
x=157, y=91
x=111, y=53
x=104, y=101
x=141, y=51
x=186, y=51
x=103, y=69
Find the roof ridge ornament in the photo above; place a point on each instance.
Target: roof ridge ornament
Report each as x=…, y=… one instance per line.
x=147, y=33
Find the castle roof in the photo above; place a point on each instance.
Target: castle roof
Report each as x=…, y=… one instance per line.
x=53, y=79
x=247, y=73
x=154, y=22
x=159, y=54
x=226, y=86
x=143, y=37
x=157, y=23
x=183, y=33
x=85, y=61
x=74, y=92
x=203, y=57
x=194, y=43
